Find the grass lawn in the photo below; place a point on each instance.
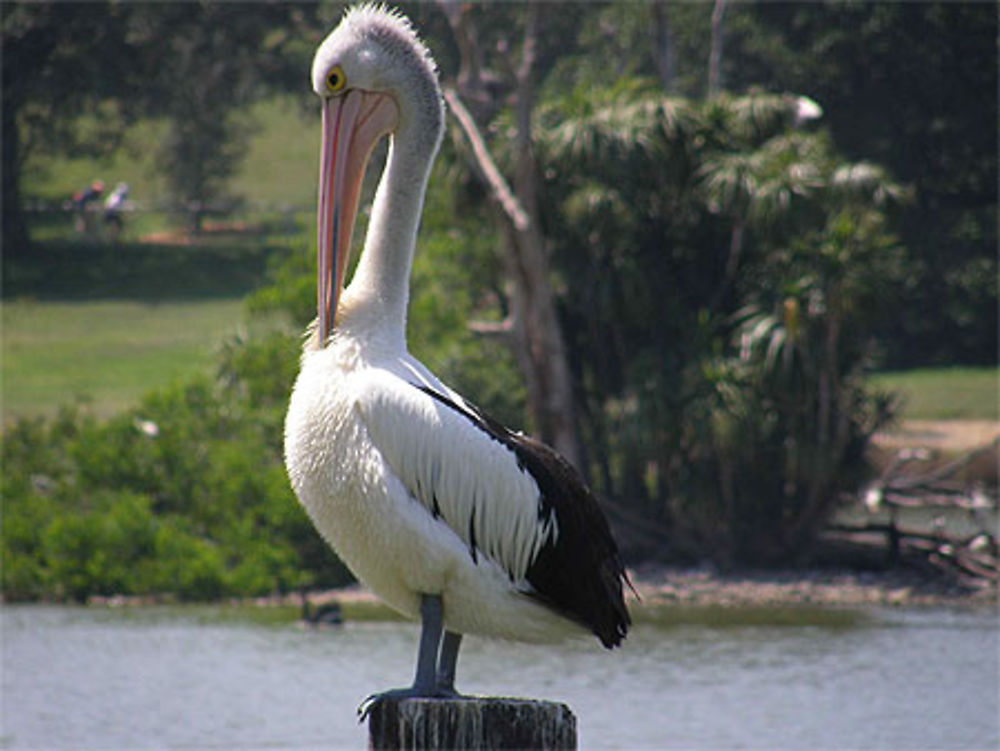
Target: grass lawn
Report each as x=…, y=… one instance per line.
x=106, y=354
x=945, y=393
x=282, y=164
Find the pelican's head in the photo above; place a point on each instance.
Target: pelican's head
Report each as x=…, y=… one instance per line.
x=375, y=78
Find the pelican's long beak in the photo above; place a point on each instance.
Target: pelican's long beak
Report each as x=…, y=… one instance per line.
x=352, y=124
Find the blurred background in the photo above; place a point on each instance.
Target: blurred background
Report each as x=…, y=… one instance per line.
x=756, y=301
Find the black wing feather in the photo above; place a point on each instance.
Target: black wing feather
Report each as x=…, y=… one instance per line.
x=580, y=573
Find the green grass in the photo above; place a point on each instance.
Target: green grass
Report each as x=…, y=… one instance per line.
x=79, y=321
x=945, y=393
x=225, y=267
x=107, y=354
x=281, y=166
x=277, y=179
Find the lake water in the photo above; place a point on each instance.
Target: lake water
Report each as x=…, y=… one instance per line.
x=212, y=678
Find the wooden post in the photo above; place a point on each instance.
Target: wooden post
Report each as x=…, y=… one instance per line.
x=470, y=723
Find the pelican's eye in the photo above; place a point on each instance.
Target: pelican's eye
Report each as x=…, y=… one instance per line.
x=335, y=79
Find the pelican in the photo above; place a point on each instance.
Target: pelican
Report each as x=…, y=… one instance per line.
x=442, y=512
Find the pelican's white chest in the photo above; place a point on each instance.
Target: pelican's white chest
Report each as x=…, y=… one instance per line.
x=363, y=443
x=320, y=427
x=331, y=466
x=341, y=479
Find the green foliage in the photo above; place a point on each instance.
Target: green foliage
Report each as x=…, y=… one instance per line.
x=185, y=494
x=723, y=343
x=68, y=270
x=724, y=274
x=290, y=288
x=913, y=87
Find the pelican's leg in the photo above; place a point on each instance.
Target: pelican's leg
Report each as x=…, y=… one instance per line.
x=432, y=625
x=425, y=682
x=446, y=664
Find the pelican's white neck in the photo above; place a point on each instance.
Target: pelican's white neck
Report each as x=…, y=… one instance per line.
x=379, y=291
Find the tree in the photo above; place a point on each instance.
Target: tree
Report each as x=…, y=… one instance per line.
x=715, y=54
x=532, y=328
x=800, y=407
x=222, y=56
x=911, y=86
x=191, y=64
x=730, y=290
x=57, y=59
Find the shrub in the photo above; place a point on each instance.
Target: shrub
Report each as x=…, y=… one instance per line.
x=185, y=494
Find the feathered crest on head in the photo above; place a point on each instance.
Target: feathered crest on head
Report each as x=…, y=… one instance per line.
x=382, y=21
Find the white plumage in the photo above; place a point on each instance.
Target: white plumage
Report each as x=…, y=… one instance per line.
x=493, y=508
x=371, y=456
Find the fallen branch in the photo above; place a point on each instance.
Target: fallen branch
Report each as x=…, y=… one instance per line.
x=928, y=480
x=943, y=498
x=943, y=556
x=940, y=551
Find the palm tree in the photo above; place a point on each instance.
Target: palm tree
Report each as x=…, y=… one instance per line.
x=731, y=261
x=801, y=343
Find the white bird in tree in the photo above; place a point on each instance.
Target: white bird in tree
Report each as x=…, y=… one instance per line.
x=444, y=513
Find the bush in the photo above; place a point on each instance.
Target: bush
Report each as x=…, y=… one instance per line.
x=185, y=494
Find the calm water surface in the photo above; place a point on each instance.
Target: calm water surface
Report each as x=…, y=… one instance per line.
x=202, y=678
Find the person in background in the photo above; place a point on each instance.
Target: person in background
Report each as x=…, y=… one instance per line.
x=81, y=199
x=114, y=205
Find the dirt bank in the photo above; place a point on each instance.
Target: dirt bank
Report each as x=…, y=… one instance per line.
x=658, y=584
x=703, y=587
x=941, y=435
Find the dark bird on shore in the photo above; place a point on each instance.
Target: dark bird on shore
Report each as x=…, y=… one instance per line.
x=325, y=614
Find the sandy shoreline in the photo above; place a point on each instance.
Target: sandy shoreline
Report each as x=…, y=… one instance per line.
x=660, y=585
x=702, y=587
x=807, y=587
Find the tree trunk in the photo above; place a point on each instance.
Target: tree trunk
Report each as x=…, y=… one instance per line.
x=536, y=336
x=15, y=232
x=663, y=45
x=715, y=52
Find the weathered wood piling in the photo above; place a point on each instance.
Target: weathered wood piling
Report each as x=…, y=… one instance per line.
x=470, y=723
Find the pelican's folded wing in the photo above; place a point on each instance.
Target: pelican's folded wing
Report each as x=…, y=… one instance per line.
x=460, y=466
